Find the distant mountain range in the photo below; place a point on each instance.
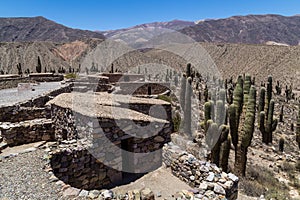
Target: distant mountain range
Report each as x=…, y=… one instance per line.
x=250, y=29
x=26, y=29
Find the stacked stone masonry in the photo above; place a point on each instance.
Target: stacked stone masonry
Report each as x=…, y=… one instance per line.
x=27, y=131
x=211, y=182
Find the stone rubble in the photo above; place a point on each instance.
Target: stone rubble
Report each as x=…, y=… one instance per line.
x=207, y=178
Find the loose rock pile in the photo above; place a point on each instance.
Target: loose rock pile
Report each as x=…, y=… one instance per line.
x=208, y=180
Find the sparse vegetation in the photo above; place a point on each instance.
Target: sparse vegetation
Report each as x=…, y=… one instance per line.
x=261, y=181
x=71, y=76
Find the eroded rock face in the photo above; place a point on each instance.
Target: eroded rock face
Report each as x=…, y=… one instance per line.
x=211, y=182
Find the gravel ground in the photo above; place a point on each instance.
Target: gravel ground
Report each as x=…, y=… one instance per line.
x=23, y=177
x=11, y=96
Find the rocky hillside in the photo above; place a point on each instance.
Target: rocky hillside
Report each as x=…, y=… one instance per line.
x=53, y=56
x=231, y=59
x=40, y=29
x=282, y=62
x=251, y=29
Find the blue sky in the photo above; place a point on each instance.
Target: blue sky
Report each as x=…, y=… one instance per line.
x=114, y=14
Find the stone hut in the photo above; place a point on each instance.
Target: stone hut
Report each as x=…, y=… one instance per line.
x=105, y=138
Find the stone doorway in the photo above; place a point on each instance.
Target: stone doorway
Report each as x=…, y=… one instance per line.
x=129, y=170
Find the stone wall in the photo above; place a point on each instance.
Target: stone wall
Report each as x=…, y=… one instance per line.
x=211, y=182
x=31, y=109
x=26, y=131
x=12, y=82
x=141, y=88
x=18, y=113
x=75, y=165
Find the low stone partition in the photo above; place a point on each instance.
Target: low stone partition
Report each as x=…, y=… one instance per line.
x=26, y=131
x=46, y=77
x=11, y=81
x=211, y=182
x=141, y=88
x=17, y=114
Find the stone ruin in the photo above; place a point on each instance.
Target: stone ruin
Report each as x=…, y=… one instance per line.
x=93, y=132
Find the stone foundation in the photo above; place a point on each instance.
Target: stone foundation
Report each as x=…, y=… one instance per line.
x=211, y=182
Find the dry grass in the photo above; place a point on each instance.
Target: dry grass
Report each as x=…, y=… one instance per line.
x=261, y=181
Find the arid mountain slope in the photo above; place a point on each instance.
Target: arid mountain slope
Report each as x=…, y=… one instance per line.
x=40, y=29
x=251, y=29
x=283, y=62
x=27, y=54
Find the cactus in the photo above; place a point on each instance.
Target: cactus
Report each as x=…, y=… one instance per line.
x=205, y=93
x=39, y=66
x=19, y=67
x=288, y=93
x=281, y=114
x=167, y=79
x=182, y=91
x=278, y=88
x=281, y=144
x=188, y=70
x=215, y=127
x=243, y=128
x=298, y=128
x=225, y=151
x=267, y=123
x=187, y=107
x=176, y=80
x=261, y=103
x=112, y=68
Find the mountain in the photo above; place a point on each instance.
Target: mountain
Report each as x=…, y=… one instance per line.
x=40, y=29
x=144, y=32
x=251, y=29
